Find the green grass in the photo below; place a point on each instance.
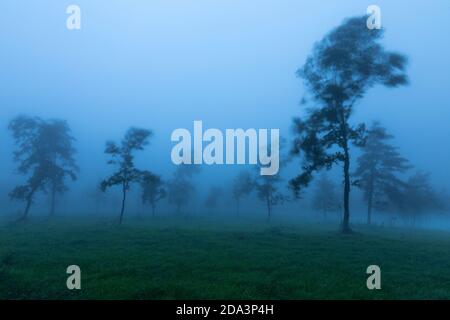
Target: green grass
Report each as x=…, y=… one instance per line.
x=193, y=259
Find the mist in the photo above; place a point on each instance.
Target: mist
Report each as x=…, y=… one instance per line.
x=162, y=65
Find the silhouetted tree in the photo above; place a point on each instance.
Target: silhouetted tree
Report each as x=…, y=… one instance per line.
x=243, y=185
x=122, y=156
x=180, y=188
x=325, y=198
x=213, y=197
x=416, y=197
x=267, y=189
x=340, y=70
x=378, y=169
x=45, y=153
x=152, y=189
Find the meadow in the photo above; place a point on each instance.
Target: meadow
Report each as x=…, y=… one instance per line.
x=197, y=258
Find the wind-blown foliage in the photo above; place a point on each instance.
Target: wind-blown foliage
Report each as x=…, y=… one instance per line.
x=44, y=152
x=122, y=156
x=342, y=67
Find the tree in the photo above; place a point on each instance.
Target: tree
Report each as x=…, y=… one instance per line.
x=152, y=189
x=213, y=197
x=377, y=170
x=325, y=198
x=180, y=188
x=267, y=191
x=122, y=156
x=45, y=153
x=416, y=197
x=243, y=185
x=343, y=66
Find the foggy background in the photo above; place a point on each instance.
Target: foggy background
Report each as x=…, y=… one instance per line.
x=230, y=63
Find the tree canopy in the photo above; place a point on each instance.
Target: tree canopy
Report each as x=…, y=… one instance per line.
x=122, y=156
x=153, y=189
x=341, y=68
x=44, y=153
x=378, y=168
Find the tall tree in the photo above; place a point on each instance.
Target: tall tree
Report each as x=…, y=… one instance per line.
x=343, y=66
x=122, y=156
x=152, y=189
x=45, y=152
x=243, y=185
x=378, y=169
x=325, y=198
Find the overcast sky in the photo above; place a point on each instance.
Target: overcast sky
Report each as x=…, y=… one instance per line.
x=162, y=64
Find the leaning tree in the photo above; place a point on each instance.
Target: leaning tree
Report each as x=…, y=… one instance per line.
x=342, y=67
x=44, y=153
x=378, y=169
x=122, y=156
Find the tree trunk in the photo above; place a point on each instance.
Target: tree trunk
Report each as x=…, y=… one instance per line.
x=346, y=220
x=124, y=196
x=370, y=197
x=344, y=137
x=27, y=209
x=237, y=207
x=153, y=210
x=369, y=208
x=369, y=214
x=269, y=209
x=52, y=203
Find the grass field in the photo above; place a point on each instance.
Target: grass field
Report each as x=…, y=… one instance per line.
x=194, y=259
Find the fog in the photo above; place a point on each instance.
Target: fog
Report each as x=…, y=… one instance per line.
x=161, y=65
